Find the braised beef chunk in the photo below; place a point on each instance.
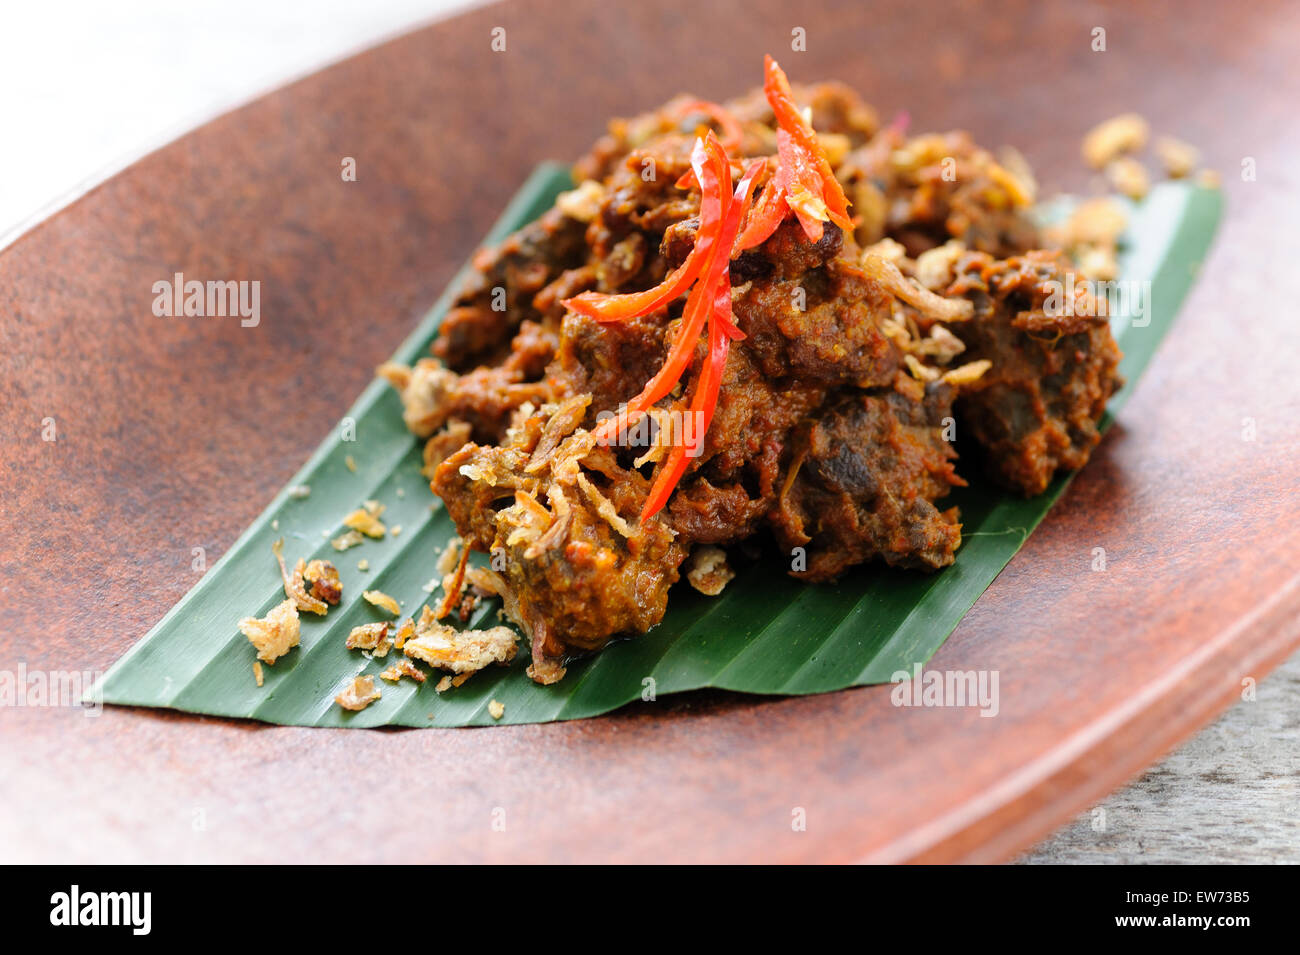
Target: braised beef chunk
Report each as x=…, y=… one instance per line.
x=831, y=426
x=548, y=505
x=1054, y=365
x=863, y=478
x=498, y=295
x=610, y=361
x=822, y=326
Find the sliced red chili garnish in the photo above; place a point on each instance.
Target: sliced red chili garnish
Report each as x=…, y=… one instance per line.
x=699, y=305
x=803, y=191
x=714, y=171
x=722, y=330
x=611, y=308
x=776, y=87
x=769, y=212
x=804, y=182
x=733, y=134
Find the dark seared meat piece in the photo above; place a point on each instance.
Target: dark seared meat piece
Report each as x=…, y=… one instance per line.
x=733, y=484
x=834, y=339
x=522, y=265
x=611, y=361
x=559, y=255
x=787, y=254
x=641, y=199
x=484, y=400
x=864, y=476
x=1037, y=409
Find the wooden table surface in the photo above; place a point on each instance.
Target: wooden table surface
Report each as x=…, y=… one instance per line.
x=173, y=434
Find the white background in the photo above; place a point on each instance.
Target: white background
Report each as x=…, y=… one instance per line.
x=88, y=86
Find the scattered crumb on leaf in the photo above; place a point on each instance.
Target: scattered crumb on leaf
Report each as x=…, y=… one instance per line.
x=400, y=668
x=381, y=599
x=358, y=694
x=275, y=634
x=346, y=540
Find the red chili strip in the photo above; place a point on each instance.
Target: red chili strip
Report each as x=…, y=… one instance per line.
x=733, y=134
x=715, y=174
x=611, y=308
x=721, y=332
x=776, y=87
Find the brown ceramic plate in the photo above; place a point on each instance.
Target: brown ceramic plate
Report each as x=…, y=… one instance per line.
x=171, y=435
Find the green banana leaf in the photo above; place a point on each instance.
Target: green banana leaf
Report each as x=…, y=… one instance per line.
x=767, y=633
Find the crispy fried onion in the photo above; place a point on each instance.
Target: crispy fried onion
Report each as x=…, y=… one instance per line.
x=460, y=651
x=293, y=585
x=424, y=391
x=604, y=506
x=560, y=521
x=563, y=422
x=923, y=300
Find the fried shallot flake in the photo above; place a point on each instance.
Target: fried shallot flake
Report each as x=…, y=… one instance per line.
x=293, y=586
x=358, y=694
x=400, y=668
x=322, y=578
x=366, y=520
x=1128, y=176
x=257, y=673
x=370, y=636
x=887, y=249
x=443, y=684
x=1178, y=158
x=582, y=203
x=1091, y=237
x=604, y=506
x=942, y=345
x=486, y=580
x=1122, y=134
x=967, y=373
x=424, y=391
x=404, y=633
x=934, y=267
x=1020, y=193
x=381, y=599
x=460, y=651
x=344, y=541
x=707, y=570
x=919, y=371
x=275, y=634
x=448, y=559
x=922, y=299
